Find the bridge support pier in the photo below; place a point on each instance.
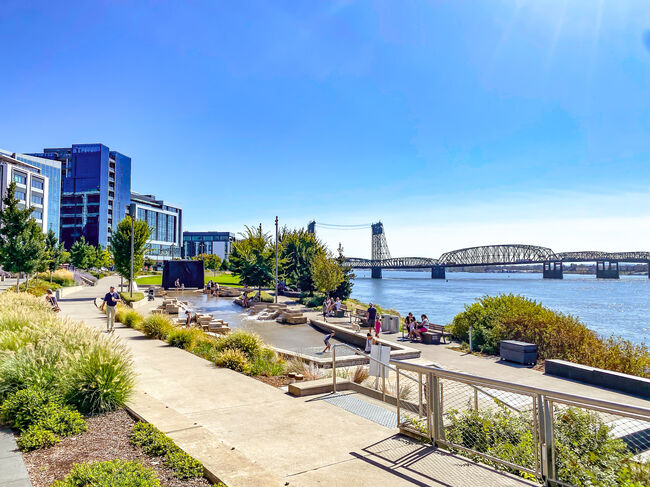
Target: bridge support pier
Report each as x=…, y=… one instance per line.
x=607, y=269
x=438, y=272
x=553, y=270
x=375, y=272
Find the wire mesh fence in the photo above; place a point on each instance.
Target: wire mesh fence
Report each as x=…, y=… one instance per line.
x=598, y=446
x=494, y=425
x=557, y=438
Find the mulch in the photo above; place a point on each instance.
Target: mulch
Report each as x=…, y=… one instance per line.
x=107, y=438
x=278, y=381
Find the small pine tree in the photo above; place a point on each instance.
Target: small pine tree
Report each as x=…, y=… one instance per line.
x=82, y=254
x=22, y=243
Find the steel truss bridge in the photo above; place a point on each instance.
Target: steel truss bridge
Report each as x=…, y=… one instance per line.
x=506, y=254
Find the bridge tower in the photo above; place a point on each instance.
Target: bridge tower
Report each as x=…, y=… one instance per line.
x=607, y=269
x=438, y=272
x=553, y=270
x=379, y=249
x=311, y=226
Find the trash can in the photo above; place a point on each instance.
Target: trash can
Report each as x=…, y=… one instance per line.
x=394, y=324
x=385, y=323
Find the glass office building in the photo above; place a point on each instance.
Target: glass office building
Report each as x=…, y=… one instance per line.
x=166, y=223
x=51, y=169
x=95, y=191
x=218, y=243
x=31, y=187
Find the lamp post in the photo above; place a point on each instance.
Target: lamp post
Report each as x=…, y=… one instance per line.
x=276, y=259
x=132, y=212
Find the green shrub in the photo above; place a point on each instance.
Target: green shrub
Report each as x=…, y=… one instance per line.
x=249, y=344
x=558, y=336
x=102, y=380
x=61, y=420
x=38, y=287
x=61, y=277
x=232, y=359
x=154, y=442
x=25, y=407
x=157, y=326
x=150, y=439
x=183, y=338
x=114, y=473
x=183, y=465
x=267, y=363
x=36, y=437
x=314, y=301
x=205, y=348
x=132, y=319
x=127, y=298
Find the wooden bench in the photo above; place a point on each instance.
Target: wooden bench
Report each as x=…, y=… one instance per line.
x=435, y=328
x=342, y=311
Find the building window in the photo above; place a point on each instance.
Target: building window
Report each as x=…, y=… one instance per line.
x=37, y=200
x=38, y=215
x=37, y=184
x=20, y=178
x=20, y=195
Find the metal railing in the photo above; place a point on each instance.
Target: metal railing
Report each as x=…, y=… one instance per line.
x=552, y=436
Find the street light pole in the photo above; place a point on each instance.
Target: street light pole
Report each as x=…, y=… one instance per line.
x=132, y=211
x=276, y=259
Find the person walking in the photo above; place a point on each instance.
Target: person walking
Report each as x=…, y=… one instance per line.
x=371, y=315
x=377, y=327
x=110, y=301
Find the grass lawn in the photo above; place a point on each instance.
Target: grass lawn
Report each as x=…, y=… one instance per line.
x=226, y=279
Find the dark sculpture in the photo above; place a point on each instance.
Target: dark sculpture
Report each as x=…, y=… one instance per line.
x=188, y=272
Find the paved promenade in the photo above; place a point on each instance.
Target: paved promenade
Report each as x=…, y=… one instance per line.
x=494, y=368
x=249, y=433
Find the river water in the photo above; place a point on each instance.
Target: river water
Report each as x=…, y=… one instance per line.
x=620, y=306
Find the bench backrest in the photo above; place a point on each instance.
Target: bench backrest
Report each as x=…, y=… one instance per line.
x=436, y=327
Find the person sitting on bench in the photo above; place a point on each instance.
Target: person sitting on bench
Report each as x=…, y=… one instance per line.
x=421, y=327
x=51, y=298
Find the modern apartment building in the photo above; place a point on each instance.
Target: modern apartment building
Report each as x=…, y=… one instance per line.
x=95, y=191
x=166, y=222
x=51, y=170
x=31, y=187
x=218, y=243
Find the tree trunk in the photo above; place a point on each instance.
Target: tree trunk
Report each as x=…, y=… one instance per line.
x=50, y=276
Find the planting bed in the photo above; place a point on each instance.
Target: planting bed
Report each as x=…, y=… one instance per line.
x=107, y=438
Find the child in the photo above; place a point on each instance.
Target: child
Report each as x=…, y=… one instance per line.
x=370, y=341
x=327, y=341
x=377, y=327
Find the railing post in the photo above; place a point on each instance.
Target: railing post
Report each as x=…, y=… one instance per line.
x=334, y=368
x=430, y=379
x=420, y=394
x=397, y=397
x=546, y=438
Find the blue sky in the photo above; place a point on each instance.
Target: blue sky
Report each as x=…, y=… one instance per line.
x=456, y=123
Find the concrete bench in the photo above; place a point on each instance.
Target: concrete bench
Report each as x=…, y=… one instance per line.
x=630, y=384
x=430, y=338
x=435, y=328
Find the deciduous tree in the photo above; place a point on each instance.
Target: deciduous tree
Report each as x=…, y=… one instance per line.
x=121, y=246
x=22, y=243
x=326, y=273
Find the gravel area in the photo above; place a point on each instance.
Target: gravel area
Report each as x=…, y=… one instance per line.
x=107, y=438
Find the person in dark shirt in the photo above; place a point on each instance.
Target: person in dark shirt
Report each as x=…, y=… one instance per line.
x=110, y=301
x=371, y=314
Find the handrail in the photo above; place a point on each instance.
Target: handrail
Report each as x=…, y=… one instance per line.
x=530, y=390
x=358, y=351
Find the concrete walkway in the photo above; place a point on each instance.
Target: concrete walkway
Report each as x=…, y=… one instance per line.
x=13, y=472
x=249, y=433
